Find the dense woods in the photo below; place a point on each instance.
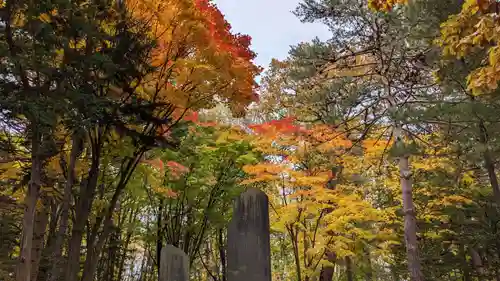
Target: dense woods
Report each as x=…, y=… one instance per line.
x=130, y=125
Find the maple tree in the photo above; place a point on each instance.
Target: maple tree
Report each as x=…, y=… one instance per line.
x=197, y=57
x=193, y=187
x=339, y=83
x=113, y=76
x=129, y=125
x=322, y=217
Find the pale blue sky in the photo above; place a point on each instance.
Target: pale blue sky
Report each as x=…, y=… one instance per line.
x=271, y=25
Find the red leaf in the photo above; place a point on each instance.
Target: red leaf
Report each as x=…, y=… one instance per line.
x=191, y=117
x=157, y=163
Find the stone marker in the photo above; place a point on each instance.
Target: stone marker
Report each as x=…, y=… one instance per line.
x=174, y=264
x=248, y=248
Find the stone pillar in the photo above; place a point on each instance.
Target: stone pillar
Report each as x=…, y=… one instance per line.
x=248, y=245
x=174, y=264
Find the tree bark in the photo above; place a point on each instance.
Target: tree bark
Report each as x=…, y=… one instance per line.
x=326, y=273
x=41, y=222
x=159, y=236
x=128, y=238
x=94, y=250
x=222, y=254
x=295, y=246
x=23, y=270
x=477, y=261
x=410, y=216
x=49, y=246
x=410, y=221
x=83, y=206
x=57, y=260
x=349, y=269
x=96, y=242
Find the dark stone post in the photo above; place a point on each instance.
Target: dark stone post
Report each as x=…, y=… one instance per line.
x=174, y=265
x=248, y=245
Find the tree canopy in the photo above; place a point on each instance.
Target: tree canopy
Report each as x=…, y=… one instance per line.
x=128, y=126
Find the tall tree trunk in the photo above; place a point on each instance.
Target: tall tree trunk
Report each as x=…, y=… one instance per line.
x=128, y=237
x=91, y=263
x=102, y=269
x=489, y=164
x=94, y=250
x=159, y=236
x=83, y=206
x=96, y=242
x=41, y=222
x=112, y=256
x=23, y=270
x=477, y=262
x=45, y=264
x=326, y=273
x=57, y=260
x=410, y=221
x=488, y=161
x=296, y=256
x=222, y=254
x=349, y=269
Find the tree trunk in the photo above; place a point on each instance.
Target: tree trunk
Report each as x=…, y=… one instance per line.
x=477, y=261
x=326, y=273
x=489, y=164
x=94, y=250
x=84, y=204
x=295, y=246
x=96, y=242
x=222, y=254
x=159, y=236
x=57, y=260
x=410, y=221
x=112, y=256
x=41, y=222
x=128, y=238
x=23, y=270
x=45, y=264
x=90, y=265
x=349, y=269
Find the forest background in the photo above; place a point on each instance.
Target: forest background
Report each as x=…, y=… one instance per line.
x=129, y=125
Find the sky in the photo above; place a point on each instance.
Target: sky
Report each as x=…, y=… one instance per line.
x=271, y=25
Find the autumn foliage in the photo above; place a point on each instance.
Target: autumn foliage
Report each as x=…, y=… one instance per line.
x=124, y=130
x=385, y=5
x=474, y=30
x=197, y=55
